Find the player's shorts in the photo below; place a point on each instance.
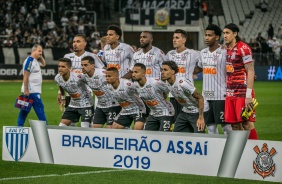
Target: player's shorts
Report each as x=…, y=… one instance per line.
x=216, y=112
x=233, y=109
x=68, y=99
x=126, y=120
x=107, y=115
x=177, y=108
x=162, y=123
x=187, y=122
x=74, y=114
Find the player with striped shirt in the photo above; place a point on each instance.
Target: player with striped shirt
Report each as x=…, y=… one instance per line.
x=152, y=57
x=186, y=60
x=107, y=108
x=153, y=92
x=116, y=54
x=125, y=92
x=212, y=63
x=194, y=113
x=240, y=80
x=81, y=104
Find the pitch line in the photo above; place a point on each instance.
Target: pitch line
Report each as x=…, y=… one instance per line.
x=54, y=175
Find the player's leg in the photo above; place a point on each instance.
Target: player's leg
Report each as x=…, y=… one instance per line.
x=22, y=117
x=139, y=121
x=177, y=108
x=152, y=123
x=230, y=113
x=86, y=114
x=122, y=121
x=68, y=99
x=70, y=115
x=211, y=123
x=38, y=106
x=219, y=116
x=99, y=118
x=249, y=125
x=182, y=124
x=111, y=114
x=165, y=123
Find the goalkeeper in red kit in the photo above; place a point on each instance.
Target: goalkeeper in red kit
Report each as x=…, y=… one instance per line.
x=240, y=103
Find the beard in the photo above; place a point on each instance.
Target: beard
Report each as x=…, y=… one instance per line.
x=145, y=45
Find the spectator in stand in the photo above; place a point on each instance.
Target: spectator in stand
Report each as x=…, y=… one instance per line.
x=276, y=49
x=64, y=21
x=259, y=38
x=270, y=49
x=264, y=51
x=205, y=8
x=256, y=47
x=210, y=15
x=8, y=42
x=80, y=27
x=107, y=12
x=51, y=24
x=270, y=31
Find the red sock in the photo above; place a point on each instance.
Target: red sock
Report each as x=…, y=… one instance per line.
x=253, y=134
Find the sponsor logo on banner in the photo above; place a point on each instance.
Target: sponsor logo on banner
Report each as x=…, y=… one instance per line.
x=17, y=141
x=264, y=164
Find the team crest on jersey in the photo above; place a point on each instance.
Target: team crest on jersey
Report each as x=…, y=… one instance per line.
x=181, y=81
x=128, y=83
x=17, y=141
x=264, y=164
x=233, y=55
x=117, y=55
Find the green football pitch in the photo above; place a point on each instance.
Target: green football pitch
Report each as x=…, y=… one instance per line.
x=268, y=125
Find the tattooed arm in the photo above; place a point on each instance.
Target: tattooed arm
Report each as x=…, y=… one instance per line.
x=200, y=99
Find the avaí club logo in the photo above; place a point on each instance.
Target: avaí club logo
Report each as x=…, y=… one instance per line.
x=17, y=141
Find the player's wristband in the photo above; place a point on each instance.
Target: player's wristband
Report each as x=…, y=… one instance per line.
x=249, y=93
x=63, y=98
x=59, y=92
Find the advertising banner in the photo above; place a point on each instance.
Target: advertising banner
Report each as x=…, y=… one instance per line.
x=201, y=154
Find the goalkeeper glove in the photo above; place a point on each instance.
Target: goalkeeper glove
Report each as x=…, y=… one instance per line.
x=246, y=112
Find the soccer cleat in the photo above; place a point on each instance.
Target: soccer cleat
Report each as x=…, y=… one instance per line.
x=246, y=113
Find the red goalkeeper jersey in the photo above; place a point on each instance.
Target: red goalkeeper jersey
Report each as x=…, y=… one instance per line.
x=236, y=58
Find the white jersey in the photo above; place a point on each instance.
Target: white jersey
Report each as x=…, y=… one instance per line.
x=214, y=73
x=32, y=66
x=128, y=97
x=76, y=61
x=120, y=57
x=182, y=90
x=77, y=90
x=186, y=61
x=153, y=93
x=99, y=85
x=153, y=60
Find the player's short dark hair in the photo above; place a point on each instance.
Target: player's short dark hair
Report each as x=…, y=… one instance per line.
x=172, y=65
x=149, y=32
x=116, y=29
x=65, y=60
x=215, y=28
x=90, y=59
x=113, y=69
x=142, y=66
x=81, y=35
x=183, y=33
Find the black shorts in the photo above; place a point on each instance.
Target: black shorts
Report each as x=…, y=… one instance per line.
x=106, y=115
x=68, y=99
x=216, y=112
x=74, y=114
x=187, y=122
x=177, y=108
x=162, y=123
x=126, y=120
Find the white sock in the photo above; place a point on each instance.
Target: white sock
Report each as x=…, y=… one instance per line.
x=85, y=124
x=226, y=128
x=62, y=124
x=212, y=129
x=72, y=124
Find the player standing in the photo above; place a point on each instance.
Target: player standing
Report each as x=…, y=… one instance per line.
x=107, y=108
x=153, y=92
x=152, y=57
x=212, y=63
x=125, y=92
x=116, y=54
x=81, y=103
x=240, y=80
x=195, y=108
x=186, y=60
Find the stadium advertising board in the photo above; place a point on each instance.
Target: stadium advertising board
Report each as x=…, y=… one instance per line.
x=161, y=13
x=15, y=72
x=200, y=154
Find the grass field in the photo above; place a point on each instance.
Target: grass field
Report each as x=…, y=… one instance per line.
x=268, y=125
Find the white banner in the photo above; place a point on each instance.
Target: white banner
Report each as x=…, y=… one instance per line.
x=200, y=154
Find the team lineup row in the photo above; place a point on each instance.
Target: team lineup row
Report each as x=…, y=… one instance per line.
x=133, y=80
